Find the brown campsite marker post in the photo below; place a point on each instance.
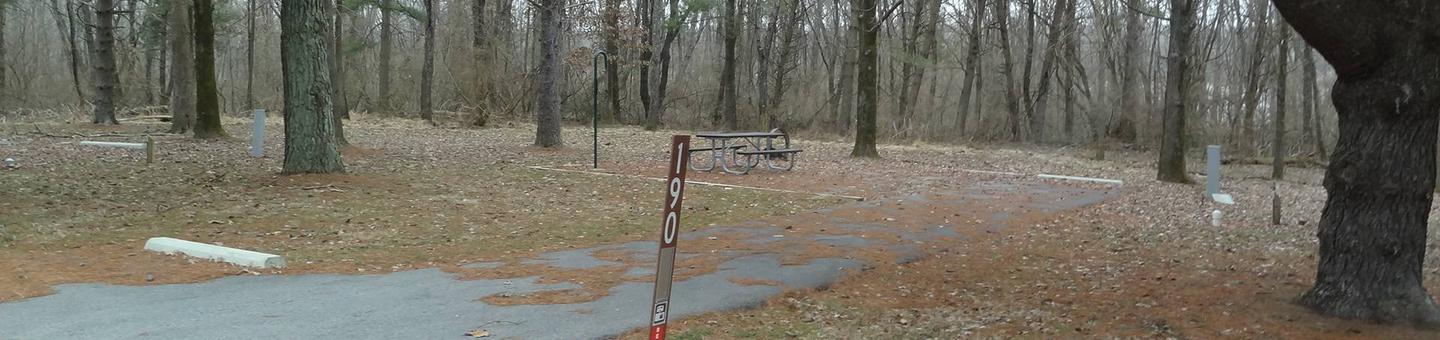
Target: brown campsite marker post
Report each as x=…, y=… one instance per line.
x=669, y=235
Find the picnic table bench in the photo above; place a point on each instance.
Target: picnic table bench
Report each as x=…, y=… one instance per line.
x=755, y=147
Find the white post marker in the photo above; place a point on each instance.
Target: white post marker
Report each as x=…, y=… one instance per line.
x=257, y=135
x=669, y=236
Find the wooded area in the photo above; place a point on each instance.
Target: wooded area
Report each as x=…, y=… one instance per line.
x=1058, y=71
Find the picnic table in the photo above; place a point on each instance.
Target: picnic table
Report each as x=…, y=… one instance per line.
x=727, y=148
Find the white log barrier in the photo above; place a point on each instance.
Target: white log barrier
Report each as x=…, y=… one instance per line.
x=1082, y=179
x=239, y=257
x=148, y=146
x=136, y=146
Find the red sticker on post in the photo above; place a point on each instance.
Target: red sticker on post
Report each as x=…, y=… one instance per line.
x=669, y=235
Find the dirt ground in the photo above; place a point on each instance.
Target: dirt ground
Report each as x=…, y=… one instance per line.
x=1144, y=264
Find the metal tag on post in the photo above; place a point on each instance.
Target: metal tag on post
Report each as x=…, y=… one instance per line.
x=669, y=236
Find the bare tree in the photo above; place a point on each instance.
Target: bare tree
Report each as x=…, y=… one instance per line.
x=107, y=77
x=725, y=108
x=1012, y=99
x=182, y=69
x=547, y=101
x=1177, y=98
x=207, y=97
x=427, y=72
x=387, y=32
x=867, y=29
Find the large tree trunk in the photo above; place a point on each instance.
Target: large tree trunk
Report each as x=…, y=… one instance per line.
x=910, y=48
x=310, y=145
x=1012, y=99
x=972, y=65
x=547, y=116
x=182, y=68
x=725, y=111
x=341, y=108
x=107, y=77
x=868, y=32
x=207, y=98
x=655, y=28
x=1387, y=94
x=427, y=71
x=387, y=32
x=1177, y=97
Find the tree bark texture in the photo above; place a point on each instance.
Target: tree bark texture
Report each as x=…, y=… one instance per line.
x=1124, y=127
x=867, y=104
x=310, y=145
x=972, y=64
x=341, y=107
x=207, y=97
x=387, y=32
x=107, y=77
x=427, y=71
x=1007, y=67
x=1177, y=98
x=1379, y=183
x=547, y=115
x=727, y=103
x=182, y=68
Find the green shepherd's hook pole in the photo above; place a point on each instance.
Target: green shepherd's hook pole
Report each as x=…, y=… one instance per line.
x=595, y=105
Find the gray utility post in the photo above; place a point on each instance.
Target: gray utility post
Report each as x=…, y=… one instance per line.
x=257, y=135
x=1212, y=176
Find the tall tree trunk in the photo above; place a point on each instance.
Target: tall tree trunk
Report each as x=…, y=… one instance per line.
x=972, y=65
x=1282, y=79
x=427, y=72
x=310, y=145
x=65, y=22
x=207, y=98
x=1253, y=86
x=341, y=108
x=250, y=54
x=725, y=111
x=4, y=90
x=480, y=42
x=1311, y=89
x=792, y=16
x=612, y=63
x=1039, y=113
x=867, y=30
x=547, y=116
x=1012, y=99
x=910, y=49
x=1177, y=98
x=1373, y=227
x=763, y=64
x=107, y=77
x=1124, y=126
x=182, y=68
x=846, y=83
x=387, y=32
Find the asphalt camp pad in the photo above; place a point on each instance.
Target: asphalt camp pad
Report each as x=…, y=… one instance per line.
x=724, y=263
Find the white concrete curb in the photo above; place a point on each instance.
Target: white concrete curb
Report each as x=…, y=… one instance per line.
x=1082, y=179
x=213, y=252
